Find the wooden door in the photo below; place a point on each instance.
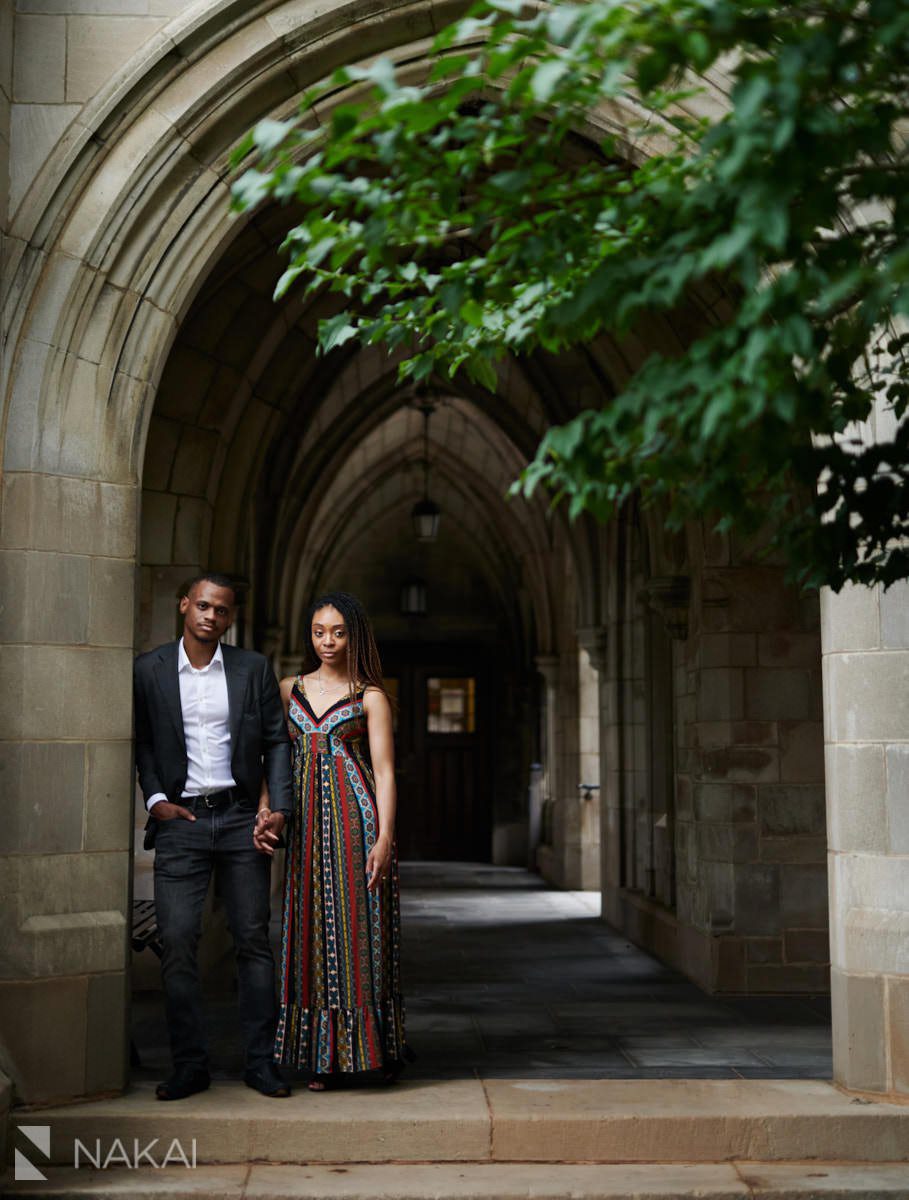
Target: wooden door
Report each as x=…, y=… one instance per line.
x=442, y=743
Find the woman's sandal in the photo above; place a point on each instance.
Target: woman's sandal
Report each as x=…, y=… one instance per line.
x=318, y=1083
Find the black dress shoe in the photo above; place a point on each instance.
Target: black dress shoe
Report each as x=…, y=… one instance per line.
x=265, y=1079
x=185, y=1081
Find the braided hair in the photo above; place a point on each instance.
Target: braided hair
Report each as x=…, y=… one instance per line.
x=364, y=666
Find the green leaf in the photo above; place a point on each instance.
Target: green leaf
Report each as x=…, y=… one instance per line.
x=286, y=280
x=698, y=49
x=546, y=78
x=240, y=151
x=511, y=181
x=343, y=119
x=472, y=312
x=250, y=189
x=561, y=22
x=749, y=95
x=336, y=331
x=653, y=69
x=268, y=135
x=482, y=371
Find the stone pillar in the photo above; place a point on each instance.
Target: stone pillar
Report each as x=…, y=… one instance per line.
x=548, y=666
x=866, y=727
x=272, y=645
x=67, y=558
x=593, y=639
x=6, y=96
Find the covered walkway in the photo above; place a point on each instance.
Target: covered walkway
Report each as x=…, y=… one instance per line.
x=507, y=977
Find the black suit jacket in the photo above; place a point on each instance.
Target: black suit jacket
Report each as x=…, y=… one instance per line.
x=259, y=742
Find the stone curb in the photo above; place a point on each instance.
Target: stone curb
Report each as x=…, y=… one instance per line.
x=483, y=1181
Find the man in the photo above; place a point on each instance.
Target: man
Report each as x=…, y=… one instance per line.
x=209, y=723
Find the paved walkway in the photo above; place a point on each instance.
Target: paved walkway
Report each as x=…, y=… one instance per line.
x=508, y=978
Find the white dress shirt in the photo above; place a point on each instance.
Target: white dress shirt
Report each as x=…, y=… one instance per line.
x=206, y=726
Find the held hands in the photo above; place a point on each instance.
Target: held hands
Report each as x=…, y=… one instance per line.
x=268, y=830
x=378, y=862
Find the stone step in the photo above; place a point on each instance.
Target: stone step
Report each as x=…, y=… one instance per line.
x=482, y=1181
x=491, y=1120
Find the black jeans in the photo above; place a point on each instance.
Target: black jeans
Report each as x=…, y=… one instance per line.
x=186, y=853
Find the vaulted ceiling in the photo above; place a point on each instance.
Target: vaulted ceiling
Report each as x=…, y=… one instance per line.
x=299, y=471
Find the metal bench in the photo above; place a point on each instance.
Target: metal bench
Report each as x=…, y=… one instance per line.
x=144, y=936
x=145, y=933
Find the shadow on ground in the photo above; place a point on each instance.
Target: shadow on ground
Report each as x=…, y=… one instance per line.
x=506, y=977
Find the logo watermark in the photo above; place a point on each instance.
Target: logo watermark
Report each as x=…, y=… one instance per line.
x=133, y=1154
x=101, y=1154
x=24, y=1169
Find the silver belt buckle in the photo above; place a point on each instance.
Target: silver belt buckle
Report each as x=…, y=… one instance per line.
x=208, y=802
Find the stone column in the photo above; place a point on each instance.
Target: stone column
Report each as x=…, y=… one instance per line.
x=548, y=666
x=6, y=95
x=866, y=726
x=67, y=558
x=272, y=644
x=594, y=639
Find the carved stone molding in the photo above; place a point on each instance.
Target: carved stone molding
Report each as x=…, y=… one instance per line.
x=548, y=666
x=595, y=640
x=670, y=596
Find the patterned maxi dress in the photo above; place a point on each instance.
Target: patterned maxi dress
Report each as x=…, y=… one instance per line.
x=341, y=1004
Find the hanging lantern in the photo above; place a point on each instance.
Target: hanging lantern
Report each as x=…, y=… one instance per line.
x=425, y=516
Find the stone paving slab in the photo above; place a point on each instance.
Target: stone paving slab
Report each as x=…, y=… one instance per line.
x=438, y=1121
x=825, y=1181
x=479, y=1181
x=503, y=1182
x=690, y=1120
x=506, y=977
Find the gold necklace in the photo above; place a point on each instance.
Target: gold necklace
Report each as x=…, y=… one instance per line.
x=322, y=688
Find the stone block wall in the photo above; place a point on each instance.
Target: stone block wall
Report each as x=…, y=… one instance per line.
x=66, y=51
x=751, y=837
x=737, y=695
x=866, y=680
x=6, y=100
x=65, y=837
x=570, y=857
x=561, y=860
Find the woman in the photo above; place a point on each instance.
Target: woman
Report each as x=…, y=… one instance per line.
x=341, y=1008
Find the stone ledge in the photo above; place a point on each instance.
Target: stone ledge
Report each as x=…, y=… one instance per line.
x=480, y=1181
x=434, y=1121
x=539, y=1121
x=675, y=1120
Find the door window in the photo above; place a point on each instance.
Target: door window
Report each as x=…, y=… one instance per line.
x=451, y=705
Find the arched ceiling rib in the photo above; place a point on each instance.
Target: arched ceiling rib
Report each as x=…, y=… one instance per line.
x=256, y=421
x=244, y=345
x=390, y=476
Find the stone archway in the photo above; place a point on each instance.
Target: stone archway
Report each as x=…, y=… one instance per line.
x=268, y=461
x=119, y=231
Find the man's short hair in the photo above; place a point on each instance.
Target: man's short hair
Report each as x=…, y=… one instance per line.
x=218, y=578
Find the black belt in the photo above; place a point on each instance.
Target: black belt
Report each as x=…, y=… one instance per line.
x=214, y=799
